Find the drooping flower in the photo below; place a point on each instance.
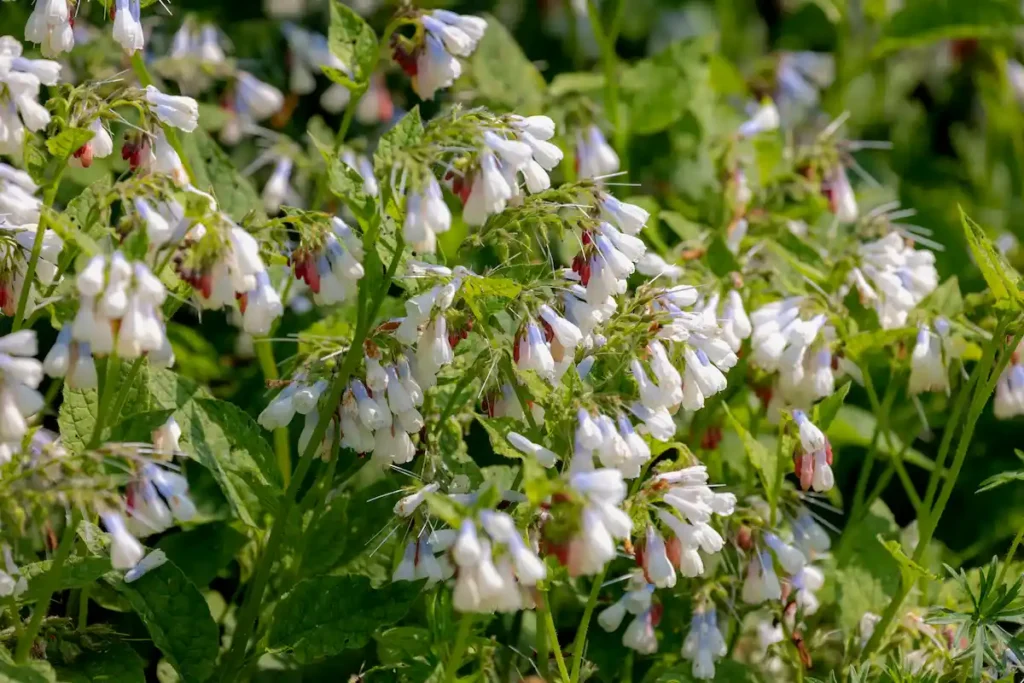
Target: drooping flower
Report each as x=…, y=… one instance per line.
x=174, y=110
x=704, y=643
x=813, y=462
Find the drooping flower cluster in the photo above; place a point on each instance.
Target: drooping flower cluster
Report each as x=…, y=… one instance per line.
x=119, y=309
x=795, y=347
x=704, y=643
x=20, y=79
x=20, y=375
x=433, y=63
x=50, y=25
x=690, y=504
x=636, y=600
x=18, y=203
x=894, y=277
x=929, y=362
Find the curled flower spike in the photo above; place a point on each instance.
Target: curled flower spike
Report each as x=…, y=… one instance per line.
x=432, y=64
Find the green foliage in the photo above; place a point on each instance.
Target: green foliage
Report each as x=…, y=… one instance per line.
x=502, y=75
x=354, y=42
x=321, y=617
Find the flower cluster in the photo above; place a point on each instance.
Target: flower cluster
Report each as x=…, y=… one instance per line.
x=431, y=60
x=20, y=79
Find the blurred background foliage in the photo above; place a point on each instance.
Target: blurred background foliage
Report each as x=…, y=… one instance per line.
x=936, y=78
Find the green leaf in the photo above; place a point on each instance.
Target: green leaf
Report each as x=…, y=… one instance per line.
x=202, y=552
x=139, y=428
x=945, y=299
x=342, y=529
x=1003, y=478
x=497, y=429
x=225, y=440
x=763, y=461
x=1002, y=279
x=77, y=415
x=346, y=184
x=720, y=260
x=663, y=89
x=32, y=671
x=910, y=570
x=406, y=133
x=353, y=42
x=502, y=75
x=77, y=572
x=826, y=410
x=177, y=618
x=920, y=22
x=686, y=229
x=323, y=616
x=116, y=663
x=878, y=339
x=67, y=142
x=403, y=644
x=215, y=173
x=868, y=574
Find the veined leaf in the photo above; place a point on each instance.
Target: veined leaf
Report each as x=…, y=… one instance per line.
x=352, y=41
x=323, y=616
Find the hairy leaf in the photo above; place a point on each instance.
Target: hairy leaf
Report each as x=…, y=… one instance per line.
x=323, y=616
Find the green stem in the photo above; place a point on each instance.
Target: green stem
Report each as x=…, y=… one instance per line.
x=107, y=393
x=543, y=651
x=83, y=607
x=50, y=583
x=549, y=624
x=122, y=395
x=581, y=633
x=461, y=641
x=1009, y=556
x=346, y=123
x=609, y=62
x=982, y=389
x=49, y=195
x=249, y=611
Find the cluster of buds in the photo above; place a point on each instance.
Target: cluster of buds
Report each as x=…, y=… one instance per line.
x=432, y=62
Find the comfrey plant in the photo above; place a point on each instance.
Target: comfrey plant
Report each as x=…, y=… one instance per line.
x=446, y=359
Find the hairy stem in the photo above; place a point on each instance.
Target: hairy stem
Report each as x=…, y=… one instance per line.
x=459, y=647
x=107, y=393
x=581, y=633
x=50, y=583
x=549, y=627
x=251, y=605
x=978, y=390
x=49, y=195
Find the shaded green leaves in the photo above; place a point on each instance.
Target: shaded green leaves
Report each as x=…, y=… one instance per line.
x=177, y=618
x=661, y=90
x=323, y=616
x=920, y=22
x=868, y=574
x=1008, y=477
x=203, y=551
x=32, y=671
x=502, y=75
x=352, y=41
x=116, y=663
x=77, y=416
